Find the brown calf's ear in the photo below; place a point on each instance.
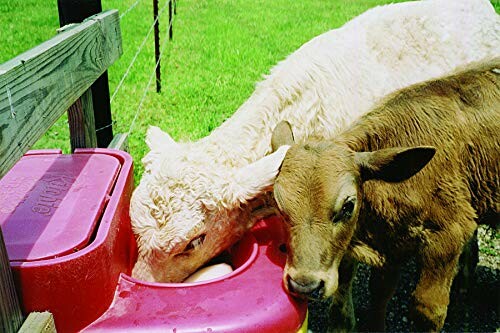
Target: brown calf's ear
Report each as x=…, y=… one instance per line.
x=282, y=135
x=393, y=164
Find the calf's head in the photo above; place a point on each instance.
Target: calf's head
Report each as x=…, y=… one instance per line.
x=187, y=208
x=319, y=193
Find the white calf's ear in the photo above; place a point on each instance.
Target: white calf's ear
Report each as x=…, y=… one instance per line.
x=156, y=139
x=393, y=164
x=249, y=181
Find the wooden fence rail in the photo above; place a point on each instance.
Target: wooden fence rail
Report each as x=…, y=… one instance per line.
x=38, y=86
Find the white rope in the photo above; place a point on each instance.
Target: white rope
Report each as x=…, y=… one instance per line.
x=137, y=53
x=129, y=9
x=162, y=47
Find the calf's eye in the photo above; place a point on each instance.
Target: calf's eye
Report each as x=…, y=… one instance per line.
x=347, y=208
x=194, y=243
x=345, y=212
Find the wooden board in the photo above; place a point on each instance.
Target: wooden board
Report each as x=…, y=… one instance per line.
x=38, y=86
x=10, y=312
x=120, y=141
x=39, y=322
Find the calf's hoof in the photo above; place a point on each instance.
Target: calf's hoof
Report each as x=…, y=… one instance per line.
x=427, y=319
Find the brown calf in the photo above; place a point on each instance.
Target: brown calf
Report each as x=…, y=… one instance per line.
x=412, y=178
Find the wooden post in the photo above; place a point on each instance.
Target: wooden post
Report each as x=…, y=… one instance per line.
x=75, y=11
x=82, y=122
x=11, y=318
x=170, y=18
x=157, y=45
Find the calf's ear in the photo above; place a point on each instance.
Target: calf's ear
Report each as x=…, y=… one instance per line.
x=251, y=180
x=158, y=142
x=282, y=135
x=393, y=164
x=156, y=139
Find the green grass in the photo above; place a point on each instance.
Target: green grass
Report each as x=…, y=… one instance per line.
x=219, y=51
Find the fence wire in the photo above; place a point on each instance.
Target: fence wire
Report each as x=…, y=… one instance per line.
x=129, y=9
x=118, y=87
x=146, y=90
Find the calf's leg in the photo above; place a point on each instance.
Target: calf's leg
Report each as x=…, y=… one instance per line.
x=432, y=294
x=383, y=283
x=467, y=266
x=342, y=318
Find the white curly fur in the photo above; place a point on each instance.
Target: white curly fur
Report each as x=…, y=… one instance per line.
x=204, y=187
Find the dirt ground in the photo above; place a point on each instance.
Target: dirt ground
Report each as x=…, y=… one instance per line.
x=477, y=312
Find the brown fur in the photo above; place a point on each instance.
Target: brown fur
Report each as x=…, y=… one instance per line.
x=399, y=211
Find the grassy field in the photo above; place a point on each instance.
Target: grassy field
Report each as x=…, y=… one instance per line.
x=219, y=51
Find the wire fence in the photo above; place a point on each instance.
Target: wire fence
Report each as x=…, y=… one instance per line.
x=146, y=90
x=141, y=46
x=166, y=38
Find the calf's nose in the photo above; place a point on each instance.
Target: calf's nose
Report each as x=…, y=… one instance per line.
x=313, y=289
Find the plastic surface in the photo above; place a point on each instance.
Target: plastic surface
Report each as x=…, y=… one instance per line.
x=51, y=203
x=250, y=299
x=78, y=287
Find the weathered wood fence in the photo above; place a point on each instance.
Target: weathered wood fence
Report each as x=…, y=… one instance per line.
x=66, y=73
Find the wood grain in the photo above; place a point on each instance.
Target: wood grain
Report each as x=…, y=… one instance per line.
x=10, y=312
x=38, y=322
x=38, y=86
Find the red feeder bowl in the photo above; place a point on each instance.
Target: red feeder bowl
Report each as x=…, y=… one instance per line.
x=250, y=299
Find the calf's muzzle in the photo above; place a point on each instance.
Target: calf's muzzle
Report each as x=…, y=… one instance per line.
x=312, y=289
